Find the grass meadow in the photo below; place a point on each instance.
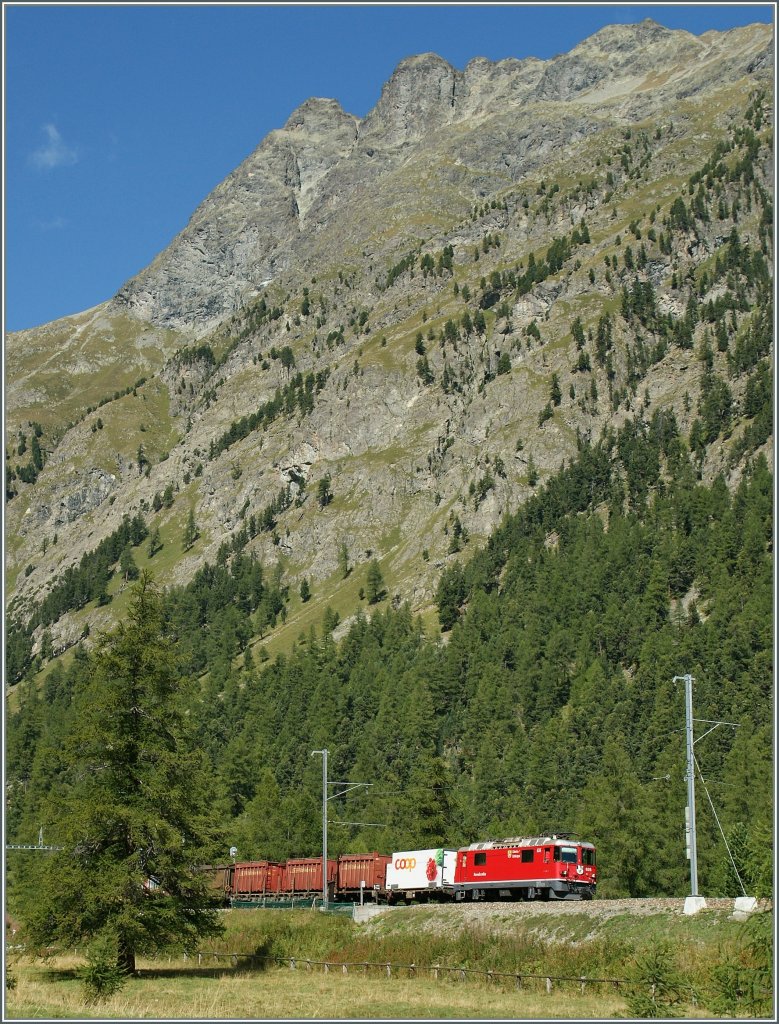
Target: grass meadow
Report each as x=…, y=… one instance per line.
x=52, y=990
x=237, y=977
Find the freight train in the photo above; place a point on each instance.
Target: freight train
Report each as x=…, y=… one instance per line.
x=531, y=868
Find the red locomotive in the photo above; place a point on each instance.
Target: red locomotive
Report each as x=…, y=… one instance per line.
x=532, y=868
x=515, y=869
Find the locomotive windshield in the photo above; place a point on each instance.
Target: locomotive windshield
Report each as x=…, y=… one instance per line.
x=567, y=854
x=588, y=856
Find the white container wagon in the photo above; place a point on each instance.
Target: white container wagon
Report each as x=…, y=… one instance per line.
x=422, y=875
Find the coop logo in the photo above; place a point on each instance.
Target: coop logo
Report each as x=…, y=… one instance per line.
x=405, y=863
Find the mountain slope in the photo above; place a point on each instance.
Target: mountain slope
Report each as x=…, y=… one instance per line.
x=423, y=271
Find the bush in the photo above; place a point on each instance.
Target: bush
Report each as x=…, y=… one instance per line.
x=658, y=990
x=102, y=976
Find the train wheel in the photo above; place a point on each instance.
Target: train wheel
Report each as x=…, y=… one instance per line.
x=543, y=895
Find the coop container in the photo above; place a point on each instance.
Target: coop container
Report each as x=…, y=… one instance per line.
x=412, y=870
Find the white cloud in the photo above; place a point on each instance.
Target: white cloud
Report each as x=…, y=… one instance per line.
x=55, y=224
x=54, y=152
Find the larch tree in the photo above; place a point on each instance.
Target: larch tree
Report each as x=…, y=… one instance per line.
x=132, y=810
x=374, y=583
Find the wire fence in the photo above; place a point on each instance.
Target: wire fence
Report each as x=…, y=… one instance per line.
x=516, y=978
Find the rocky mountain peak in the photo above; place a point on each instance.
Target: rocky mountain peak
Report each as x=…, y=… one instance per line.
x=316, y=114
x=420, y=96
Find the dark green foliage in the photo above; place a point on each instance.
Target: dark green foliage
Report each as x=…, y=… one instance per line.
x=343, y=560
x=504, y=363
x=155, y=543
x=127, y=566
x=715, y=407
x=298, y=394
x=424, y=372
x=450, y=595
x=551, y=706
x=659, y=985
x=679, y=218
x=196, y=354
x=324, y=491
x=77, y=586
x=400, y=268
x=374, y=585
x=130, y=804
x=102, y=975
x=191, y=532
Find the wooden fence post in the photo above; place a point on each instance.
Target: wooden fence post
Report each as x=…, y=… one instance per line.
x=345, y=968
x=435, y=971
x=327, y=967
x=389, y=970
x=548, y=985
x=582, y=983
x=292, y=964
x=518, y=981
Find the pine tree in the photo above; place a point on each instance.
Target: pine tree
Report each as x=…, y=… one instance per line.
x=127, y=566
x=374, y=583
x=155, y=544
x=133, y=805
x=343, y=560
x=191, y=533
x=324, y=491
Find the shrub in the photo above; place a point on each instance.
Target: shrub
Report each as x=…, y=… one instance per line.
x=102, y=976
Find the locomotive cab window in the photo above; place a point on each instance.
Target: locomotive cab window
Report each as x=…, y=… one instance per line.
x=588, y=857
x=479, y=858
x=527, y=856
x=567, y=854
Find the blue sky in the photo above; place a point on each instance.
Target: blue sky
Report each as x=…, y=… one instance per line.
x=120, y=119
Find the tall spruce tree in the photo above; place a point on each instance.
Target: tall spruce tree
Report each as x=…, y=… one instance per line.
x=132, y=810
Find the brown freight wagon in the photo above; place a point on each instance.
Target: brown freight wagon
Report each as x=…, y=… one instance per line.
x=257, y=878
x=367, y=868
x=303, y=876
x=218, y=878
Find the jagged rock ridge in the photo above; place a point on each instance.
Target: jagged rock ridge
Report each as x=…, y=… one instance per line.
x=253, y=225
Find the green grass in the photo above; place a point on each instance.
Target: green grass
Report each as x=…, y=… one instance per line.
x=185, y=991
x=117, y=349
x=545, y=944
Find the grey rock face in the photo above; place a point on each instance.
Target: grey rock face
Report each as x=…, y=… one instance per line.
x=261, y=220
x=420, y=96
x=95, y=486
x=244, y=232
